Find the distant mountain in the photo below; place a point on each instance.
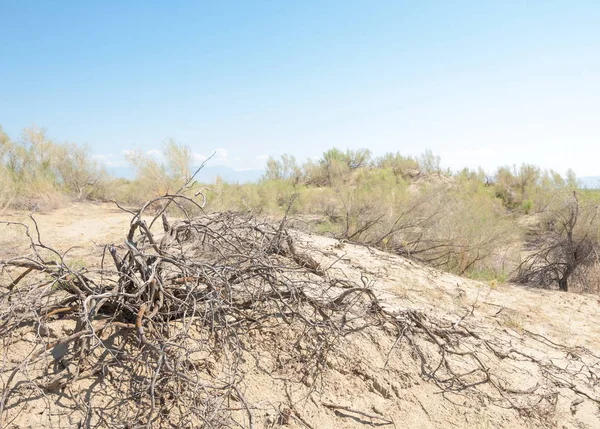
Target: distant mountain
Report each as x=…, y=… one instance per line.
x=207, y=175
x=590, y=182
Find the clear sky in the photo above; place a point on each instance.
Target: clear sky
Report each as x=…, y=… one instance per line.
x=479, y=82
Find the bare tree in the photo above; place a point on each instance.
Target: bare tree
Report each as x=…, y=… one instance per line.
x=564, y=247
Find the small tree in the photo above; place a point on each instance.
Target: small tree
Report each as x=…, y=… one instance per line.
x=566, y=244
x=335, y=166
x=77, y=171
x=284, y=168
x=152, y=178
x=158, y=173
x=179, y=160
x=429, y=162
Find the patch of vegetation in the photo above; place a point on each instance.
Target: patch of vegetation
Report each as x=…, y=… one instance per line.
x=36, y=172
x=470, y=223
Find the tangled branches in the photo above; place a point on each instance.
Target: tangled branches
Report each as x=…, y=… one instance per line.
x=171, y=313
x=565, y=249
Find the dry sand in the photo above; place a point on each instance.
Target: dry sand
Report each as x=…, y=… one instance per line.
x=535, y=330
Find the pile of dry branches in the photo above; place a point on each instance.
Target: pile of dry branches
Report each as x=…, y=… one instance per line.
x=181, y=303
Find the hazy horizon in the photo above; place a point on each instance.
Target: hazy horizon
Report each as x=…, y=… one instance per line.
x=479, y=83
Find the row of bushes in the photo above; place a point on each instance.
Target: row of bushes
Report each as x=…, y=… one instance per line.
x=470, y=223
x=532, y=225
x=36, y=172
x=39, y=173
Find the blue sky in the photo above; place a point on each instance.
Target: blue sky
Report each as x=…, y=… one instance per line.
x=481, y=83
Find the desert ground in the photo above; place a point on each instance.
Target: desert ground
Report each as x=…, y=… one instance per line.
x=525, y=357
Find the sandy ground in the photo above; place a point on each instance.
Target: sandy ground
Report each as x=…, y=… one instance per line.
x=548, y=325
x=79, y=229
x=521, y=317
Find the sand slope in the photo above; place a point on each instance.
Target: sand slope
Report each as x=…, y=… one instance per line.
x=540, y=349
